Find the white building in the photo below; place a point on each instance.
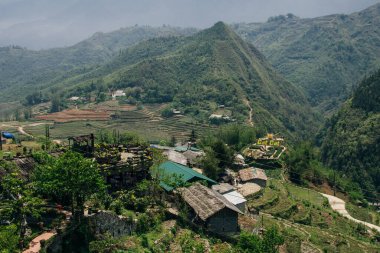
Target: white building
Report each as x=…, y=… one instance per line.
x=118, y=93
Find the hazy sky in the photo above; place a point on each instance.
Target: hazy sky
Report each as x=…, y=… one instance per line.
x=51, y=23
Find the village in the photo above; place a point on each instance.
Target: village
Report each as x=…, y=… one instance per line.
x=214, y=204
x=187, y=173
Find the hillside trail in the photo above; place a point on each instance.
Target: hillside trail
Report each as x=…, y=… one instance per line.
x=21, y=130
x=35, y=244
x=339, y=206
x=250, y=118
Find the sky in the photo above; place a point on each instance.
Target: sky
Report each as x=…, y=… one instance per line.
x=41, y=24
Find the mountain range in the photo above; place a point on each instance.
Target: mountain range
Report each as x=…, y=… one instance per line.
x=325, y=56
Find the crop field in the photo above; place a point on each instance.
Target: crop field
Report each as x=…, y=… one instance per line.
x=306, y=221
x=146, y=122
x=75, y=115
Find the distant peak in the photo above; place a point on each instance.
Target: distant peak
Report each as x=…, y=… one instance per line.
x=219, y=30
x=220, y=27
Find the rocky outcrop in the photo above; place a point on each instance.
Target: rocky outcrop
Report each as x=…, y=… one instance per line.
x=107, y=222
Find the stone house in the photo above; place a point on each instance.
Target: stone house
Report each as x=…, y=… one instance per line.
x=211, y=209
x=253, y=175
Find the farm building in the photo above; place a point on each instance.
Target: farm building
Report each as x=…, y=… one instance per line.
x=84, y=144
x=223, y=188
x=211, y=209
x=193, y=156
x=229, y=192
x=175, y=156
x=253, y=175
x=118, y=93
x=169, y=172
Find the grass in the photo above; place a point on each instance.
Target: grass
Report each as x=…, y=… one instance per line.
x=307, y=222
x=299, y=193
x=364, y=214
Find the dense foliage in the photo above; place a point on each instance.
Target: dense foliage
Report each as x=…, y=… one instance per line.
x=351, y=138
x=70, y=177
x=324, y=55
x=197, y=73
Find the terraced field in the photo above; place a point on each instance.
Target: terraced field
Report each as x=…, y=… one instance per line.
x=146, y=122
x=307, y=221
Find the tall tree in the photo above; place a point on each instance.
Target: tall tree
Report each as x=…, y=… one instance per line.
x=70, y=176
x=19, y=202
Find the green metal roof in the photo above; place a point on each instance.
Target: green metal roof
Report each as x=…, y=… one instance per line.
x=183, y=172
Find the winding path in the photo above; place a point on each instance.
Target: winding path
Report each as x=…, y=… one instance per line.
x=339, y=205
x=35, y=244
x=250, y=119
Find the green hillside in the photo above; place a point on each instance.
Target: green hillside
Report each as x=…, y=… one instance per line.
x=22, y=68
x=352, y=136
x=197, y=73
x=326, y=55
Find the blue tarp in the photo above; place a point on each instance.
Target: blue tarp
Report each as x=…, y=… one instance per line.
x=7, y=135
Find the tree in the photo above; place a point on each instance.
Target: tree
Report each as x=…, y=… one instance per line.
x=193, y=136
x=299, y=161
x=210, y=164
x=173, y=141
x=19, y=202
x=55, y=104
x=70, y=176
x=8, y=239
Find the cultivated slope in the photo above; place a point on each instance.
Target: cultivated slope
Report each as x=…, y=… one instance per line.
x=324, y=55
x=214, y=66
x=23, y=71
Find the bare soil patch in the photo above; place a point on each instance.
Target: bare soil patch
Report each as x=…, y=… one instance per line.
x=76, y=115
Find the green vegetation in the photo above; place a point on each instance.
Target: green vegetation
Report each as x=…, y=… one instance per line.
x=326, y=56
x=253, y=243
x=306, y=221
x=351, y=138
x=19, y=202
x=69, y=177
x=194, y=74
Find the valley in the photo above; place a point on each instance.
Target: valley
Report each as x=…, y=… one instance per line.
x=246, y=137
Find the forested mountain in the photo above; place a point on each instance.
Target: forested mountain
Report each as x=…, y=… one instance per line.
x=325, y=55
x=213, y=67
x=352, y=136
x=22, y=71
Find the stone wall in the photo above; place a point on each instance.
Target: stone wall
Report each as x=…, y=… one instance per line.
x=93, y=226
x=107, y=222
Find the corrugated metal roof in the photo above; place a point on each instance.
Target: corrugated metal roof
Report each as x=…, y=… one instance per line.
x=182, y=172
x=234, y=197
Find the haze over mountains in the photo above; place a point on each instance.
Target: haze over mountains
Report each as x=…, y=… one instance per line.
x=41, y=24
x=323, y=58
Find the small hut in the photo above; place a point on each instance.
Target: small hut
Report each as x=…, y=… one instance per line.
x=84, y=144
x=229, y=192
x=253, y=175
x=211, y=209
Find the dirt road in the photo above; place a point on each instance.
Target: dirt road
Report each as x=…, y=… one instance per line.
x=339, y=205
x=35, y=245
